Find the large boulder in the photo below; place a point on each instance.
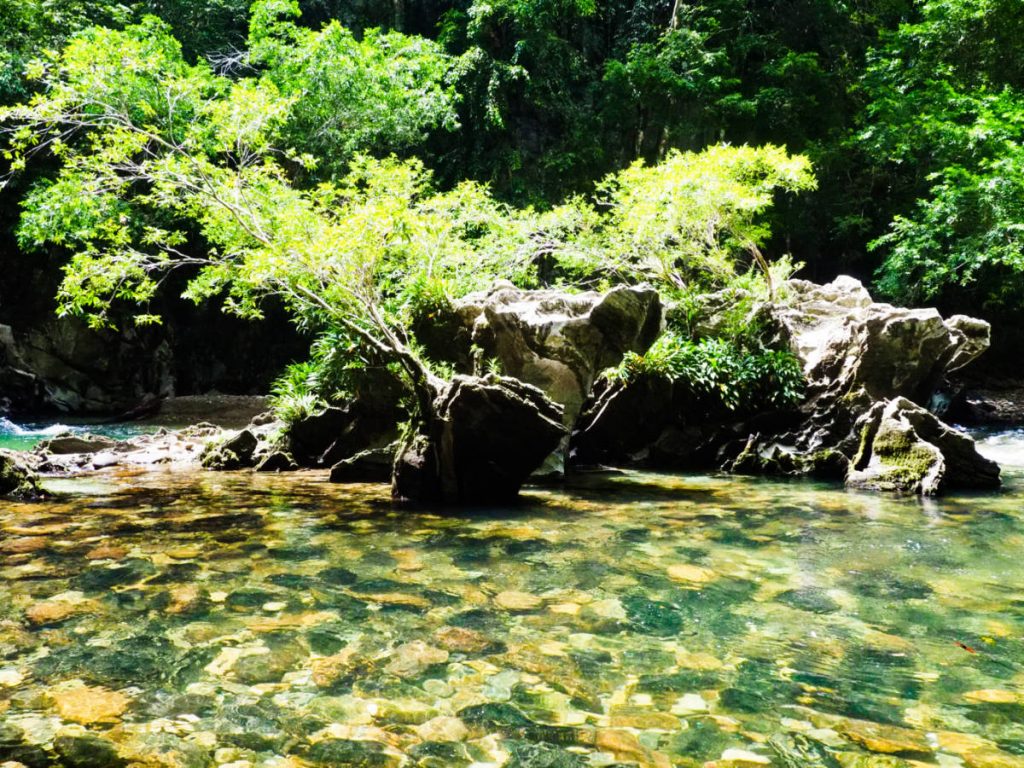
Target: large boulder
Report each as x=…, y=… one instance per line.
x=559, y=341
x=487, y=435
x=17, y=478
x=905, y=448
x=848, y=343
x=236, y=451
x=871, y=371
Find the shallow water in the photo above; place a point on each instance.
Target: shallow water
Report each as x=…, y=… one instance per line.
x=199, y=619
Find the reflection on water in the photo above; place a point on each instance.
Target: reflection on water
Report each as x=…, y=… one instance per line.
x=193, y=619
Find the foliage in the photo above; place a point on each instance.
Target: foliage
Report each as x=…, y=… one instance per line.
x=263, y=168
x=692, y=218
x=720, y=371
x=386, y=90
x=297, y=393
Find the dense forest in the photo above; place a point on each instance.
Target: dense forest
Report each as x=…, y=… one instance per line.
x=911, y=112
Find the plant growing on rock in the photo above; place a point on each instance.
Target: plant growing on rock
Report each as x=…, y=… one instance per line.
x=721, y=372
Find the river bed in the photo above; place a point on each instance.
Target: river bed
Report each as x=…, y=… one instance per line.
x=184, y=618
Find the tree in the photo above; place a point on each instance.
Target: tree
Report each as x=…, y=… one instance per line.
x=386, y=91
x=152, y=145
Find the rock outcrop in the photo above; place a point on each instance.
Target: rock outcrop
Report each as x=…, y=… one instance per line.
x=234, y=452
x=905, y=448
x=871, y=371
x=559, y=341
x=64, y=366
x=488, y=434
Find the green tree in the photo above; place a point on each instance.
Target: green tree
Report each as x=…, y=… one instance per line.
x=152, y=146
x=386, y=91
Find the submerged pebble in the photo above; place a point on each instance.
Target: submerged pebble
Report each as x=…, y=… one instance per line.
x=275, y=622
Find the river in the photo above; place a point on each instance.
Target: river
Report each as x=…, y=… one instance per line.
x=199, y=619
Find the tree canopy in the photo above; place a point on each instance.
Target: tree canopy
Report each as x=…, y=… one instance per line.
x=155, y=150
x=572, y=140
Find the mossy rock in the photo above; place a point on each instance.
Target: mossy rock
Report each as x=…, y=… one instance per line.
x=233, y=452
x=17, y=479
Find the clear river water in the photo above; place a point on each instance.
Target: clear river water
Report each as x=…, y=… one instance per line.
x=178, y=618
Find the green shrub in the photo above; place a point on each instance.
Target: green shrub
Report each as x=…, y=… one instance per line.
x=721, y=372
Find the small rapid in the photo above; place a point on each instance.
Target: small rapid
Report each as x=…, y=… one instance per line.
x=1005, y=447
x=24, y=437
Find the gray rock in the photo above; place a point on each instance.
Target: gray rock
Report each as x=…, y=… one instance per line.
x=905, y=448
x=372, y=466
x=866, y=364
x=849, y=343
x=63, y=445
x=488, y=434
x=871, y=368
x=277, y=461
x=559, y=341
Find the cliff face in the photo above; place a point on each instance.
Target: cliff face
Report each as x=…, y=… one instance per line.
x=50, y=364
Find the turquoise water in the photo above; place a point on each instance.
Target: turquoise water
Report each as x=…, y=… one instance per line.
x=25, y=436
x=201, y=619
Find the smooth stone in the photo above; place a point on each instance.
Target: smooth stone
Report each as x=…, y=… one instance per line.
x=89, y=705
x=10, y=677
x=627, y=747
x=413, y=659
x=643, y=719
x=42, y=614
x=462, y=640
x=330, y=669
x=809, y=599
x=270, y=667
x=694, y=574
x=689, y=704
x=106, y=551
x=523, y=754
x=743, y=757
x=438, y=688
x=517, y=601
x=443, y=728
x=888, y=739
x=86, y=751
x=185, y=599
x=350, y=753
x=993, y=696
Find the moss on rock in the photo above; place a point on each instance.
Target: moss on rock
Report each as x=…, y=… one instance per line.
x=17, y=479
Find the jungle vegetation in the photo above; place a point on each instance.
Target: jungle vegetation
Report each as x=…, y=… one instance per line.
x=366, y=163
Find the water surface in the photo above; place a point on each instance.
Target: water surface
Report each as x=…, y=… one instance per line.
x=200, y=619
